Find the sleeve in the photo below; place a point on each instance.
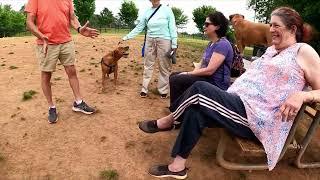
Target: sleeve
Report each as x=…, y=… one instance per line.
x=138, y=29
x=222, y=48
x=173, y=29
x=31, y=6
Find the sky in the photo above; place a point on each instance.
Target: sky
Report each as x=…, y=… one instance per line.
x=227, y=7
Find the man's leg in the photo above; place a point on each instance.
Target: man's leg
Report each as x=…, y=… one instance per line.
x=67, y=58
x=47, y=64
x=73, y=81
x=46, y=86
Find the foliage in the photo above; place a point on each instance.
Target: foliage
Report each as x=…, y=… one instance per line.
x=28, y=95
x=106, y=17
x=109, y=175
x=11, y=22
x=200, y=14
x=180, y=18
x=84, y=9
x=128, y=13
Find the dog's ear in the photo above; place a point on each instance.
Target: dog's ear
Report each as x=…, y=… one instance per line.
x=231, y=16
x=115, y=54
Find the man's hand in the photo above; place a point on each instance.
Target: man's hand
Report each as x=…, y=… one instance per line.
x=45, y=45
x=291, y=106
x=88, y=32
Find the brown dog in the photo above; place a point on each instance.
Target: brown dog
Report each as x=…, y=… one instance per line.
x=109, y=63
x=249, y=33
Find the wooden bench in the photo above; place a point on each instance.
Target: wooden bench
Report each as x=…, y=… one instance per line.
x=250, y=148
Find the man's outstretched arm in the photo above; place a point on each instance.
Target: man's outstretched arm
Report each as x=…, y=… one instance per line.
x=83, y=30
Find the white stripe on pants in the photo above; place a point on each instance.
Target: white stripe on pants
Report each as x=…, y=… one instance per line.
x=157, y=48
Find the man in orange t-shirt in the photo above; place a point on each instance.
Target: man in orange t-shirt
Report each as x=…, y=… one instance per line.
x=50, y=21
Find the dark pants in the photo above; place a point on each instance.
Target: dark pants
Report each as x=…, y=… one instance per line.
x=205, y=105
x=181, y=82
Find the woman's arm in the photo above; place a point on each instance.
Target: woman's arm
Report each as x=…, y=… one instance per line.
x=138, y=29
x=216, y=61
x=172, y=29
x=309, y=61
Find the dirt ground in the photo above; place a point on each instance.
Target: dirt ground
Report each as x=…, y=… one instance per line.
x=81, y=146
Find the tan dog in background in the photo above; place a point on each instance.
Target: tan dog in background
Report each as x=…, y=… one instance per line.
x=249, y=33
x=109, y=63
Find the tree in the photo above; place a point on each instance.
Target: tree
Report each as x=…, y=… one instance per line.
x=200, y=14
x=11, y=22
x=84, y=9
x=22, y=8
x=128, y=13
x=106, y=17
x=181, y=19
x=262, y=9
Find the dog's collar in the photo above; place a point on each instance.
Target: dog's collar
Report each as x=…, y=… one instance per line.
x=110, y=66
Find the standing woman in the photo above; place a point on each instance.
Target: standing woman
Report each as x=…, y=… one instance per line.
x=161, y=38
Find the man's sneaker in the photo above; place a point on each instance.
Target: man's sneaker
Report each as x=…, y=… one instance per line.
x=53, y=116
x=164, y=96
x=82, y=107
x=162, y=171
x=143, y=94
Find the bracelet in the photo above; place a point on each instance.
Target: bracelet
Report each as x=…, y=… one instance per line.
x=78, y=29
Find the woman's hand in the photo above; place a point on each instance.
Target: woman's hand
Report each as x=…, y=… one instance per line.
x=291, y=106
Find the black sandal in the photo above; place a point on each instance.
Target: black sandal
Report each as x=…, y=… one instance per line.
x=150, y=126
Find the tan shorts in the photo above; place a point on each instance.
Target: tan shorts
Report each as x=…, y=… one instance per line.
x=65, y=53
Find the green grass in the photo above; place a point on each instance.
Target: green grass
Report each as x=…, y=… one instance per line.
x=248, y=51
x=109, y=175
x=28, y=95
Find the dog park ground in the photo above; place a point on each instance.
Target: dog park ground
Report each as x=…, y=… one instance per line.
x=108, y=143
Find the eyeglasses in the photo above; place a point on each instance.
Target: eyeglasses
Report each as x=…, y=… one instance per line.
x=206, y=24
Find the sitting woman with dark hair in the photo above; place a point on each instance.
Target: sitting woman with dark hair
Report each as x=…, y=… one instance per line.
x=260, y=105
x=216, y=62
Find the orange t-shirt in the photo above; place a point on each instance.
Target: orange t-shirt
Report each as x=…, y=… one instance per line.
x=52, y=19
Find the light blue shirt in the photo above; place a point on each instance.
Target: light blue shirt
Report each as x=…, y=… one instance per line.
x=161, y=25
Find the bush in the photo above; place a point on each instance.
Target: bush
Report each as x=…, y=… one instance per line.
x=28, y=95
x=109, y=175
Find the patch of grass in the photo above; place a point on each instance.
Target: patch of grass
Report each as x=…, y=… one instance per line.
x=155, y=91
x=57, y=78
x=13, y=67
x=11, y=53
x=28, y=95
x=3, y=64
x=82, y=70
x=59, y=100
x=248, y=51
x=109, y=175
